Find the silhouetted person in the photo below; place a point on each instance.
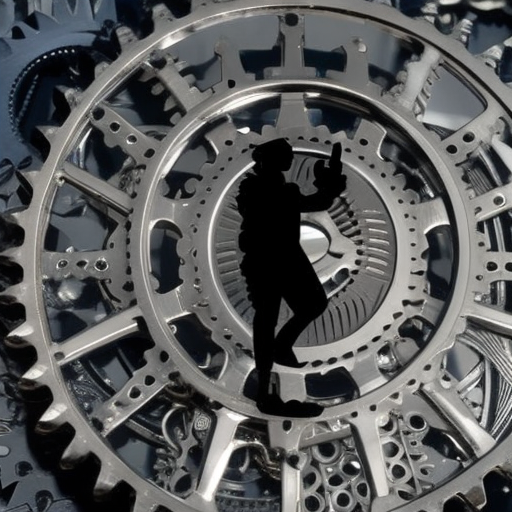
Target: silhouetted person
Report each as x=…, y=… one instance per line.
x=275, y=266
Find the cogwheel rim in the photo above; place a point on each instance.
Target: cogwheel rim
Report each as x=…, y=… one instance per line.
x=65, y=410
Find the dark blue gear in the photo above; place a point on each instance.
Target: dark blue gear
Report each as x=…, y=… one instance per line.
x=34, y=43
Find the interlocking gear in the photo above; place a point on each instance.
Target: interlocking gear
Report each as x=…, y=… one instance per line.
x=130, y=266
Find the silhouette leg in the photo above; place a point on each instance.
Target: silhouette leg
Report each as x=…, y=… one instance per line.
x=307, y=302
x=264, y=325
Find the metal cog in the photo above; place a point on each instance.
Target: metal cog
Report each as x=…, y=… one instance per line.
x=156, y=383
x=58, y=31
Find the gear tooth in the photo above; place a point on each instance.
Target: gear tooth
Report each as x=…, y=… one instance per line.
x=75, y=453
x=100, y=68
x=48, y=132
x=24, y=30
x=83, y=10
x=31, y=178
x=52, y=419
x=13, y=253
x=106, y=481
x=125, y=36
x=143, y=504
x=20, y=337
x=476, y=495
x=69, y=95
x=170, y=104
x=16, y=292
x=34, y=378
x=44, y=23
x=162, y=14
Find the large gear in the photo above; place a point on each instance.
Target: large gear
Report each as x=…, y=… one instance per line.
x=137, y=310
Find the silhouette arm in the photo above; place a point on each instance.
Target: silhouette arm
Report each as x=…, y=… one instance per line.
x=329, y=181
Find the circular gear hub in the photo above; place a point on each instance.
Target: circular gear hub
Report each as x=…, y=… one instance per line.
x=131, y=267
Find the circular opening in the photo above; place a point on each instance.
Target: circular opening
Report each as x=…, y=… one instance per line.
x=115, y=126
x=310, y=479
x=343, y=499
x=101, y=265
x=335, y=480
x=362, y=489
x=417, y=422
x=98, y=113
x=499, y=200
x=468, y=137
x=62, y=263
x=390, y=449
x=131, y=139
x=326, y=449
x=491, y=266
x=149, y=380
x=134, y=392
x=398, y=471
x=452, y=149
x=352, y=468
x=291, y=19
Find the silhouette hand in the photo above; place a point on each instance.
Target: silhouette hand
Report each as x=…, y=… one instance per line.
x=331, y=178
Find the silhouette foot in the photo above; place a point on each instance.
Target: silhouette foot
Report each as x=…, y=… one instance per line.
x=287, y=358
x=274, y=405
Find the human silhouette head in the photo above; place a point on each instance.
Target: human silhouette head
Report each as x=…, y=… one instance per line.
x=275, y=155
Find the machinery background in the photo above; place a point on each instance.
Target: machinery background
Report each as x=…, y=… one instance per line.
x=49, y=48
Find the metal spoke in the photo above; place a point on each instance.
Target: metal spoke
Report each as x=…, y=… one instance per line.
x=366, y=435
x=80, y=265
x=291, y=39
x=220, y=448
x=97, y=188
x=183, y=95
x=234, y=374
x=291, y=488
x=233, y=72
x=225, y=132
x=492, y=203
x=292, y=113
x=480, y=130
x=419, y=73
x=102, y=334
x=171, y=211
x=145, y=383
x=171, y=304
x=449, y=405
x=430, y=214
x=119, y=132
x=492, y=318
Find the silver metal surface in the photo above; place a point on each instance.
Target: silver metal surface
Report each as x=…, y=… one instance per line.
x=143, y=327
